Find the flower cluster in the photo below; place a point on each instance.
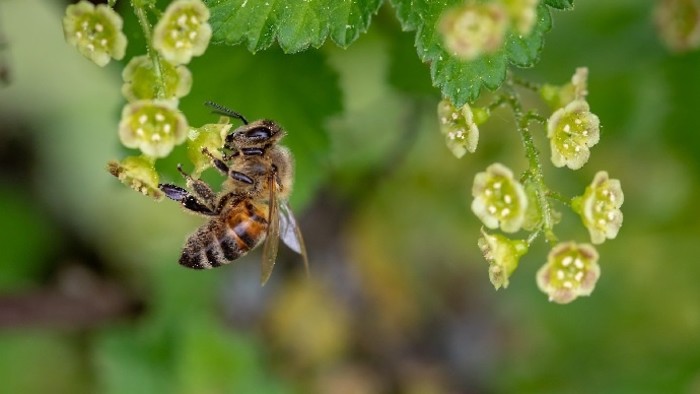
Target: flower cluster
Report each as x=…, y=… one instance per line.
x=501, y=201
x=153, y=83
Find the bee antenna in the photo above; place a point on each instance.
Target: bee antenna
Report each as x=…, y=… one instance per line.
x=221, y=110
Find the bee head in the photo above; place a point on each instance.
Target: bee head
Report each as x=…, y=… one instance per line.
x=256, y=134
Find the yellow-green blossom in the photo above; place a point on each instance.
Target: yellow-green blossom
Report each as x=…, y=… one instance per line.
x=138, y=173
x=571, y=271
x=96, y=31
x=141, y=82
x=155, y=127
x=571, y=131
x=183, y=31
x=499, y=200
x=599, y=207
x=459, y=128
x=210, y=137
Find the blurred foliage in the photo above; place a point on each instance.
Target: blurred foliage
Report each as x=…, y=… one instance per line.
x=399, y=299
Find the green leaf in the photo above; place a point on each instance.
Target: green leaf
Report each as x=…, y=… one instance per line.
x=300, y=99
x=295, y=25
x=560, y=4
x=458, y=80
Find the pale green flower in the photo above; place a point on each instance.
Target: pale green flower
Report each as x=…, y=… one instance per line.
x=571, y=271
x=155, y=127
x=572, y=130
x=138, y=173
x=141, y=82
x=599, y=207
x=95, y=30
x=210, y=137
x=459, y=128
x=183, y=31
x=499, y=200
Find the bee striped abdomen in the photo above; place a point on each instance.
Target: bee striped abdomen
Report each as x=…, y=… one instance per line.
x=225, y=238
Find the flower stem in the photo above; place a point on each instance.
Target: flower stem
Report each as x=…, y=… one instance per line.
x=522, y=121
x=140, y=11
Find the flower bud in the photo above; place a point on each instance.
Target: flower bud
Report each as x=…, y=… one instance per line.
x=459, y=128
x=502, y=254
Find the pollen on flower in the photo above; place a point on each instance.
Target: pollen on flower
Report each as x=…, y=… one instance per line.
x=138, y=173
x=499, y=200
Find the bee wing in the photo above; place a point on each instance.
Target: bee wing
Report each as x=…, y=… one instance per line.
x=269, y=254
x=291, y=234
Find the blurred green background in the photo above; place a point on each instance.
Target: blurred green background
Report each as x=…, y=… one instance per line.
x=92, y=299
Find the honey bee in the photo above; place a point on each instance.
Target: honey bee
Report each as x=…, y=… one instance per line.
x=252, y=205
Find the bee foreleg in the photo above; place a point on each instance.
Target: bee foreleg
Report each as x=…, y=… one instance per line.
x=218, y=164
x=185, y=199
x=200, y=188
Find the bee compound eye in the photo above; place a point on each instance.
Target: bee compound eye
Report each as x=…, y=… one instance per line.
x=260, y=133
